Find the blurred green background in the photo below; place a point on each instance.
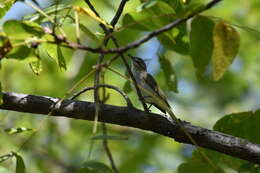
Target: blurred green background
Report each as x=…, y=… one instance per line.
x=62, y=144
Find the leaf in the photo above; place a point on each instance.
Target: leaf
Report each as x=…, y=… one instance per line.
x=20, y=166
x=127, y=87
x=4, y=7
x=23, y=30
x=61, y=59
x=195, y=166
x=5, y=46
x=21, y=53
x=201, y=42
x=54, y=51
x=12, y=131
x=169, y=73
x=90, y=13
x=146, y=4
x=176, y=39
x=226, y=45
x=49, y=10
x=36, y=66
x=89, y=33
x=157, y=11
x=1, y=95
x=243, y=124
x=95, y=167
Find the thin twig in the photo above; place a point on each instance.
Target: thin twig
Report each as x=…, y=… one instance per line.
x=113, y=23
x=118, y=12
x=105, y=144
x=97, y=76
x=146, y=37
x=128, y=101
x=132, y=77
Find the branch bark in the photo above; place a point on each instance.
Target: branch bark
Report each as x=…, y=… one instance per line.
x=131, y=117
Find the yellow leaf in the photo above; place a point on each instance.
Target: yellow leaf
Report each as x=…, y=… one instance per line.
x=226, y=45
x=90, y=13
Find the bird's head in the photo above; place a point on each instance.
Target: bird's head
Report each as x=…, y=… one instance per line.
x=138, y=63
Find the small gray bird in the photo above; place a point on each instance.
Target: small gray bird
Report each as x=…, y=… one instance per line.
x=149, y=88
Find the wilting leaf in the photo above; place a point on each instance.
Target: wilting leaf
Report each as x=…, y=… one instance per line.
x=226, y=45
x=90, y=13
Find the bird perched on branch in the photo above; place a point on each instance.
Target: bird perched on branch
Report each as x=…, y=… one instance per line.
x=151, y=93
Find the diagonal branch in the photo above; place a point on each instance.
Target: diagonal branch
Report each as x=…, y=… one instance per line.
x=144, y=39
x=131, y=117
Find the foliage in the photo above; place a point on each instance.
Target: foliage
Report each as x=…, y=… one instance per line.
x=214, y=56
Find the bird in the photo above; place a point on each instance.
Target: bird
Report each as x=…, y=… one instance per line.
x=152, y=94
x=150, y=90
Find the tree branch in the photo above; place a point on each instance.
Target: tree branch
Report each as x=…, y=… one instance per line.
x=142, y=40
x=126, y=116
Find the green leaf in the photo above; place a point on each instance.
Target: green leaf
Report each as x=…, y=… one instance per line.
x=23, y=30
x=5, y=6
x=127, y=87
x=141, y=20
x=89, y=33
x=146, y=4
x=95, y=167
x=21, y=53
x=49, y=10
x=176, y=39
x=195, y=166
x=61, y=59
x=201, y=42
x=169, y=73
x=243, y=124
x=20, y=166
x=50, y=49
x=12, y=131
x=226, y=45
x=36, y=66
x=54, y=51
x=1, y=94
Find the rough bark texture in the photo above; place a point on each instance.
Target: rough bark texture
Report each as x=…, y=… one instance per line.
x=131, y=117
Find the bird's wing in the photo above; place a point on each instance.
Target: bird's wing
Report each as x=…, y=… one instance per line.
x=154, y=86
